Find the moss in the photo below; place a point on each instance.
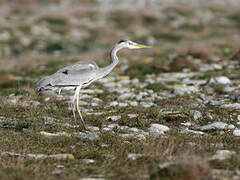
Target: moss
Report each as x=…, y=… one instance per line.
x=54, y=20
x=166, y=36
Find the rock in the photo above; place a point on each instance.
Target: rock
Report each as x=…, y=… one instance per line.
x=88, y=161
x=165, y=165
x=188, y=124
x=48, y=120
x=113, y=118
x=133, y=103
x=113, y=126
x=222, y=80
x=195, y=114
x=113, y=103
x=232, y=106
x=236, y=132
x=157, y=129
x=123, y=104
x=126, y=96
x=133, y=156
x=214, y=126
x=89, y=137
x=60, y=166
x=57, y=171
x=93, y=128
x=47, y=134
x=147, y=104
x=194, y=132
x=184, y=89
x=132, y=115
x=223, y=154
x=34, y=103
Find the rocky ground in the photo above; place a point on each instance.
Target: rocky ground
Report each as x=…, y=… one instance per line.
x=170, y=112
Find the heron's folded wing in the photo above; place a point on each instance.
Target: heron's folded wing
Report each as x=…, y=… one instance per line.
x=79, y=66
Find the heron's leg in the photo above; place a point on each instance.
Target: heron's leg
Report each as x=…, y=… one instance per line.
x=78, y=109
x=59, y=91
x=73, y=106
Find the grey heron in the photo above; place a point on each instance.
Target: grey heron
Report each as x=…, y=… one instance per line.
x=81, y=74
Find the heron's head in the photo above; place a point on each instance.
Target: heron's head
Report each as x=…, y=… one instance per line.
x=131, y=45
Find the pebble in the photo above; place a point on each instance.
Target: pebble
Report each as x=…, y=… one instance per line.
x=57, y=171
x=222, y=80
x=132, y=115
x=48, y=120
x=222, y=155
x=89, y=137
x=147, y=104
x=133, y=103
x=157, y=129
x=133, y=156
x=232, y=106
x=194, y=132
x=88, y=161
x=188, y=124
x=165, y=165
x=214, y=126
x=236, y=132
x=126, y=96
x=123, y=104
x=113, y=103
x=34, y=103
x=195, y=114
x=182, y=90
x=113, y=118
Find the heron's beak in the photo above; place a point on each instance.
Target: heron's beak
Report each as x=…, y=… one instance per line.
x=143, y=46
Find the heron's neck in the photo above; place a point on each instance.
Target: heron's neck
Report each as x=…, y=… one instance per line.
x=113, y=55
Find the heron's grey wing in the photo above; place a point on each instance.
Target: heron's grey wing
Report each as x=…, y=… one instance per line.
x=79, y=66
x=73, y=78
x=79, y=73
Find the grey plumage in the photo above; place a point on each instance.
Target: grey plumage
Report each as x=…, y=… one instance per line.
x=82, y=73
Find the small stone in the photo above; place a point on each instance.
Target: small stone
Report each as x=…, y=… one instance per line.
x=88, y=161
x=56, y=172
x=132, y=115
x=48, y=120
x=214, y=126
x=157, y=129
x=222, y=80
x=182, y=90
x=236, y=132
x=89, y=137
x=126, y=96
x=93, y=128
x=133, y=156
x=123, y=104
x=195, y=114
x=113, y=103
x=113, y=118
x=194, y=132
x=165, y=165
x=232, y=106
x=34, y=103
x=147, y=104
x=60, y=166
x=238, y=117
x=106, y=129
x=222, y=155
x=135, y=130
x=230, y=126
x=62, y=156
x=113, y=126
x=133, y=103
x=188, y=124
